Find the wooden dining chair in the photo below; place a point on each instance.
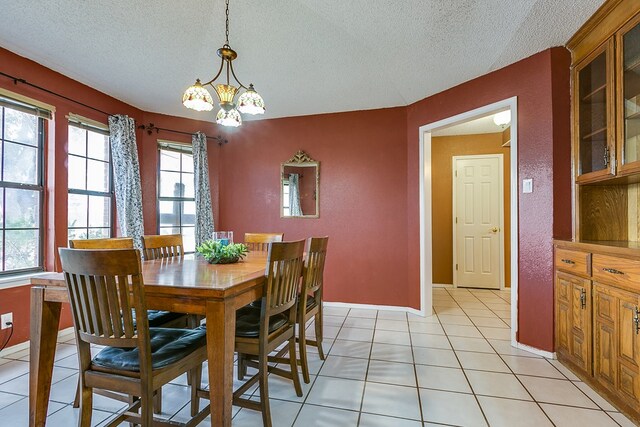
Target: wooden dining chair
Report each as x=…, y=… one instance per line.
x=108, y=243
x=156, y=318
x=310, y=300
x=162, y=246
x=259, y=331
x=259, y=242
x=106, y=293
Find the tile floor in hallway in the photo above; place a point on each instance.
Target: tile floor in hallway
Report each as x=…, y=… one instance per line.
x=383, y=368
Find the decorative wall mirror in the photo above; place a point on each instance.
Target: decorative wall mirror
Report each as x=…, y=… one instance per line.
x=300, y=187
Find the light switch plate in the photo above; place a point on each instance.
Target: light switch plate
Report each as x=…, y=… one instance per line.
x=527, y=185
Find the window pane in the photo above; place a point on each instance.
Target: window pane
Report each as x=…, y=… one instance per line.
x=170, y=184
x=98, y=176
x=20, y=127
x=189, y=213
x=169, y=230
x=187, y=163
x=77, y=141
x=78, y=210
x=189, y=239
x=98, y=146
x=77, y=173
x=22, y=248
x=20, y=163
x=169, y=213
x=99, y=233
x=169, y=160
x=99, y=211
x=23, y=208
x=187, y=181
x=77, y=233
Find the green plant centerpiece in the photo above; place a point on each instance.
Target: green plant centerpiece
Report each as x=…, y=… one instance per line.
x=215, y=252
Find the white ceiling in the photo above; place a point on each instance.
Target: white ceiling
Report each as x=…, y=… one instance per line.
x=304, y=56
x=471, y=127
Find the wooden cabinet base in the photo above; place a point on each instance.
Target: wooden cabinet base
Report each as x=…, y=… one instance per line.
x=610, y=396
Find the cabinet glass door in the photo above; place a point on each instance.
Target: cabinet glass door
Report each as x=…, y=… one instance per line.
x=629, y=116
x=593, y=92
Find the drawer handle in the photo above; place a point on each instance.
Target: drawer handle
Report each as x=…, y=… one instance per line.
x=568, y=261
x=612, y=271
x=583, y=298
x=636, y=321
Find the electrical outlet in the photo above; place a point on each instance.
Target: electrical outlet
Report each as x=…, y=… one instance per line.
x=4, y=319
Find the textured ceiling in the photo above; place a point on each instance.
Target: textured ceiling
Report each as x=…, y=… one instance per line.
x=304, y=56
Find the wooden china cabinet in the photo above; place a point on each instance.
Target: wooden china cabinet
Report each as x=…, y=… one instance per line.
x=597, y=274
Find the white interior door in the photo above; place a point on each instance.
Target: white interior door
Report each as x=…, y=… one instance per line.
x=478, y=206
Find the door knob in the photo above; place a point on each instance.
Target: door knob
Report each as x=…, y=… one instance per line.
x=494, y=229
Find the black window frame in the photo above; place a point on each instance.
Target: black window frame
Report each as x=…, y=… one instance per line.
x=39, y=186
x=176, y=148
x=110, y=193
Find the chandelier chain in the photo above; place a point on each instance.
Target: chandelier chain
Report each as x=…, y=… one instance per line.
x=227, y=22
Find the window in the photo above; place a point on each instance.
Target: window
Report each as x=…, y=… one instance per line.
x=90, y=176
x=21, y=187
x=176, y=200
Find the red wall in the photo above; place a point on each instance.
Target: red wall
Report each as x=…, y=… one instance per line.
x=368, y=181
x=363, y=195
x=16, y=299
x=541, y=84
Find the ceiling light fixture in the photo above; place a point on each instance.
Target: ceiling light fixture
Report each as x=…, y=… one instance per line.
x=502, y=118
x=198, y=98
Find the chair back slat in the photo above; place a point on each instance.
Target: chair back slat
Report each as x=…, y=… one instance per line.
x=163, y=246
x=105, y=287
x=284, y=267
x=111, y=243
x=314, y=265
x=259, y=242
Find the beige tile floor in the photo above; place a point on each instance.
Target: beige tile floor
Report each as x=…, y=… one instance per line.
x=383, y=369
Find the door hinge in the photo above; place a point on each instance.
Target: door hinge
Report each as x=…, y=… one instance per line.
x=456, y=267
x=455, y=172
x=456, y=220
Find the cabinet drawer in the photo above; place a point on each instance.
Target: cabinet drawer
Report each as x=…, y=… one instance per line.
x=576, y=262
x=617, y=271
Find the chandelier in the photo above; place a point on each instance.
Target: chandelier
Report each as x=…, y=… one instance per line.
x=198, y=98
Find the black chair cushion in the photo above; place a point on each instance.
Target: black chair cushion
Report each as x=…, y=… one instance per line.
x=248, y=322
x=168, y=345
x=158, y=318
x=311, y=302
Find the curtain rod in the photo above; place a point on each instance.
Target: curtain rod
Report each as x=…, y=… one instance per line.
x=150, y=128
x=17, y=80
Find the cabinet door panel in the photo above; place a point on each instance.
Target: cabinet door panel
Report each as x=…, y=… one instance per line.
x=628, y=97
x=581, y=323
x=604, y=338
x=628, y=348
x=563, y=314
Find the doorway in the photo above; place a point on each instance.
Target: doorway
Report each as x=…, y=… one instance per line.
x=426, y=205
x=478, y=225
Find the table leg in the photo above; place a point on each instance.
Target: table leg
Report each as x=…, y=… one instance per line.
x=45, y=318
x=221, y=330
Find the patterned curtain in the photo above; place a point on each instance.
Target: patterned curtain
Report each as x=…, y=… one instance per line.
x=294, y=195
x=204, y=211
x=126, y=177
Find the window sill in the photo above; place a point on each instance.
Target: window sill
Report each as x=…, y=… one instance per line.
x=19, y=280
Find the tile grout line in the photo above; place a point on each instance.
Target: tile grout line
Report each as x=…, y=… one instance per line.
x=366, y=375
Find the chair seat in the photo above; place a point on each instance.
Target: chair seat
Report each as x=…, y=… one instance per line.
x=311, y=302
x=168, y=345
x=248, y=322
x=158, y=318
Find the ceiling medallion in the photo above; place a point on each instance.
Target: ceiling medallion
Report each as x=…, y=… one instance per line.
x=198, y=98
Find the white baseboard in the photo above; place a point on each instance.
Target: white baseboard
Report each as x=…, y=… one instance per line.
x=375, y=307
x=443, y=285
x=543, y=353
x=64, y=333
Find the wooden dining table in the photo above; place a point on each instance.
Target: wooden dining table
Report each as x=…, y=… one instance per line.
x=185, y=285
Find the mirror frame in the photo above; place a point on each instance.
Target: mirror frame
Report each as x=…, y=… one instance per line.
x=301, y=159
